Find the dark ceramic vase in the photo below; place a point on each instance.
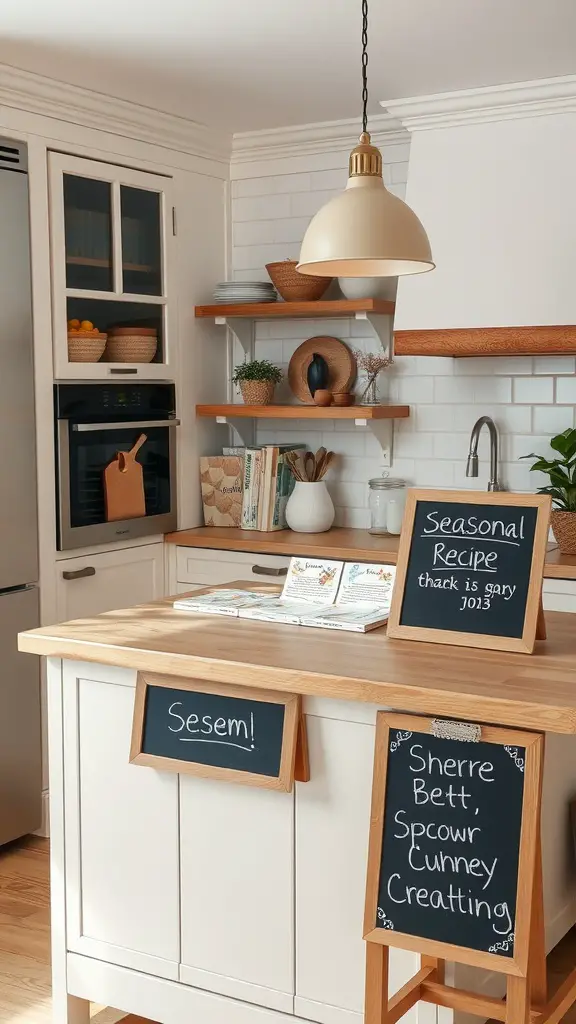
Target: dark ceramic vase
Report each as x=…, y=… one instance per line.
x=317, y=375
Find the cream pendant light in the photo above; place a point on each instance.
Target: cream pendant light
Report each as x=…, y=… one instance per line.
x=366, y=231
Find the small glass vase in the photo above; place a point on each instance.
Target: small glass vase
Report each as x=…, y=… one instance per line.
x=371, y=394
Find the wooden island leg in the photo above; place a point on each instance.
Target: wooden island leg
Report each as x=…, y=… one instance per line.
x=376, y=996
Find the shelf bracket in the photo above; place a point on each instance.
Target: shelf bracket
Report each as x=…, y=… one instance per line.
x=383, y=431
x=244, y=428
x=243, y=331
x=381, y=324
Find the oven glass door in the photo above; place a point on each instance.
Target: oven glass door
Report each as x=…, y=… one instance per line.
x=91, y=450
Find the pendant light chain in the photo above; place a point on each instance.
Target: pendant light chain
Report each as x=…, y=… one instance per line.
x=364, y=65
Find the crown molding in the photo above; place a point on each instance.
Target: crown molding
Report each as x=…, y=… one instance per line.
x=51, y=98
x=478, y=106
x=313, y=139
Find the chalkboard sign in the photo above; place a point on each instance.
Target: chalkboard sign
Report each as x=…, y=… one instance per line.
x=453, y=840
x=223, y=732
x=470, y=569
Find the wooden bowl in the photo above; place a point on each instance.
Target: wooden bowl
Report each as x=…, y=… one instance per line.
x=343, y=398
x=322, y=397
x=293, y=286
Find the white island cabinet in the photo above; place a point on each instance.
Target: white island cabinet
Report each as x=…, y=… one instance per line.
x=221, y=902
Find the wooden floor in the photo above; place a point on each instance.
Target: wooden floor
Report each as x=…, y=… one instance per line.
x=25, y=942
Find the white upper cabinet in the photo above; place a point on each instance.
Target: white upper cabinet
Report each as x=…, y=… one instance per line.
x=111, y=237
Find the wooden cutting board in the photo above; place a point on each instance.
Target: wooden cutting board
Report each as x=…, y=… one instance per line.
x=124, y=485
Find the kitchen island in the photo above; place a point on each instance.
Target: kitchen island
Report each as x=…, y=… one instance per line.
x=180, y=898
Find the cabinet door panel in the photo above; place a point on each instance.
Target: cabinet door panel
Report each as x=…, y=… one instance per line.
x=121, y=832
x=120, y=579
x=332, y=820
x=210, y=567
x=237, y=889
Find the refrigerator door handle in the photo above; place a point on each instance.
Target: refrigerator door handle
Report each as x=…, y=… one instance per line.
x=79, y=574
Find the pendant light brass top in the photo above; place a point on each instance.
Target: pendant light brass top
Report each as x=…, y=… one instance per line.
x=366, y=231
x=365, y=159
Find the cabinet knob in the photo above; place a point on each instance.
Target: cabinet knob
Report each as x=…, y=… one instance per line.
x=79, y=574
x=266, y=570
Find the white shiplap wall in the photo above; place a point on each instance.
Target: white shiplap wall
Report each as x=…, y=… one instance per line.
x=529, y=398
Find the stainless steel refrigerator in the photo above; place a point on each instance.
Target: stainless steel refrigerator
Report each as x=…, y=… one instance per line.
x=20, y=737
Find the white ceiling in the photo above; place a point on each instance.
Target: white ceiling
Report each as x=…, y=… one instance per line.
x=250, y=64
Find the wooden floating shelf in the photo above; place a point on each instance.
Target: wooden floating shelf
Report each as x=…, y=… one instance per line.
x=487, y=341
x=289, y=310
x=305, y=412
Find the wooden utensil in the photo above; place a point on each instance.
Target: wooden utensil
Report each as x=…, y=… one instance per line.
x=124, y=485
x=309, y=467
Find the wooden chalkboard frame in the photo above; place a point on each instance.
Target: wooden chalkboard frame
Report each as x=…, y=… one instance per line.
x=516, y=965
x=524, y=644
x=293, y=728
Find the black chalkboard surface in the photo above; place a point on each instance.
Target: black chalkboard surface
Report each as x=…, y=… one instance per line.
x=446, y=856
x=229, y=732
x=470, y=567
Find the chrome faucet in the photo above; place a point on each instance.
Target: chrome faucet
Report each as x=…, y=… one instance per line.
x=472, y=463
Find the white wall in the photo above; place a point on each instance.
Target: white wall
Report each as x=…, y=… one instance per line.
x=530, y=398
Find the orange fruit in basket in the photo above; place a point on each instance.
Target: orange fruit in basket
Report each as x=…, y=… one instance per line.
x=73, y=325
x=86, y=325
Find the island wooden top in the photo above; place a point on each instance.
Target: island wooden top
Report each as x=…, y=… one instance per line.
x=340, y=542
x=535, y=691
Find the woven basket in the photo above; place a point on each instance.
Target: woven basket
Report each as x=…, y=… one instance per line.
x=257, y=392
x=293, y=286
x=131, y=345
x=85, y=346
x=564, y=529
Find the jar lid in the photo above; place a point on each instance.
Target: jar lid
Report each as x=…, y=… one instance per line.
x=386, y=483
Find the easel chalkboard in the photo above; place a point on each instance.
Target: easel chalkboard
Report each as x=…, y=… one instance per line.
x=233, y=733
x=454, y=868
x=470, y=569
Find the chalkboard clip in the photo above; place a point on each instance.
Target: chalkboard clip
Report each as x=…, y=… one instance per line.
x=468, y=732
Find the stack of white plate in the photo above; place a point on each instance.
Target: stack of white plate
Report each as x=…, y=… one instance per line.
x=245, y=291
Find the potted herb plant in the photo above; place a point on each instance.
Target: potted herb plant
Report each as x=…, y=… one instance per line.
x=257, y=380
x=562, y=488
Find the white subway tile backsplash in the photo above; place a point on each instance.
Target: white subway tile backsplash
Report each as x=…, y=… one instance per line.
x=534, y=390
x=273, y=184
x=306, y=204
x=566, y=390
x=552, y=419
x=260, y=208
x=554, y=364
x=529, y=398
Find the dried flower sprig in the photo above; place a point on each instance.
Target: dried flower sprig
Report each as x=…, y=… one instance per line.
x=371, y=364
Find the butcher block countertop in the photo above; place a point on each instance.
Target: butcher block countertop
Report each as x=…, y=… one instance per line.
x=535, y=691
x=340, y=542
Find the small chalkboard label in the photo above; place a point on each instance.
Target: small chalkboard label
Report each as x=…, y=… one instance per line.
x=470, y=569
x=453, y=841
x=224, y=732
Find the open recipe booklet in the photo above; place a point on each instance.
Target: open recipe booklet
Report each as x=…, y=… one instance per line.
x=331, y=595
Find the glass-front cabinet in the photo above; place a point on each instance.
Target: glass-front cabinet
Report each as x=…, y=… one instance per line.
x=113, y=304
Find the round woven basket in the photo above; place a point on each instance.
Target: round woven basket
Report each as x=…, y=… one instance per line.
x=293, y=286
x=257, y=392
x=86, y=346
x=131, y=344
x=564, y=529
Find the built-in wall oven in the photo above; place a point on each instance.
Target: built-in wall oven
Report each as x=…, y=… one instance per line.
x=93, y=423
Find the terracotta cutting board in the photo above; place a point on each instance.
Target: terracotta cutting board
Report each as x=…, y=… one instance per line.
x=124, y=485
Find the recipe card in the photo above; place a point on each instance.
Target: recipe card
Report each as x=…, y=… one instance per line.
x=312, y=579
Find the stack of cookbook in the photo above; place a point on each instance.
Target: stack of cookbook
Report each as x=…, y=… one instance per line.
x=328, y=594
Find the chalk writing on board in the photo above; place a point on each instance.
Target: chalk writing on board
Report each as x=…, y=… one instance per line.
x=220, y=730
x=450, y=848
x=477, y=560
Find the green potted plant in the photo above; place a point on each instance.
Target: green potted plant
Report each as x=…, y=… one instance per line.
x=257, y=380
x=562, y=488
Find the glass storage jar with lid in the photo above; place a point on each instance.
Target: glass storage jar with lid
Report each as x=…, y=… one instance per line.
x=387, y=498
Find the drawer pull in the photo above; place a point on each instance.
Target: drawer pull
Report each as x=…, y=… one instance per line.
x=79, y=574
x=266, y=570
